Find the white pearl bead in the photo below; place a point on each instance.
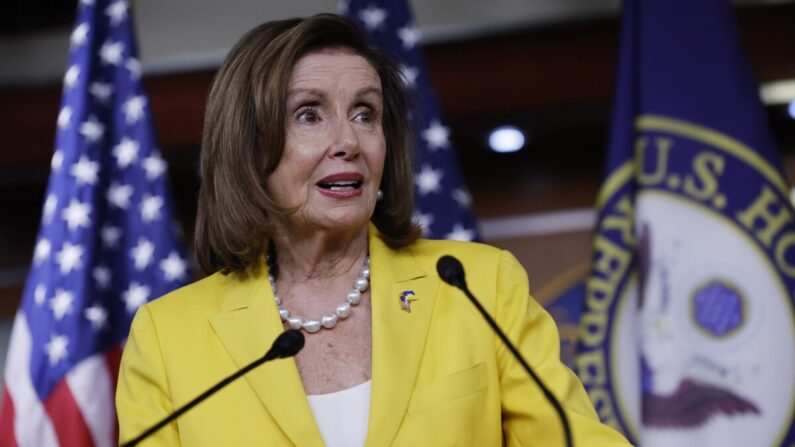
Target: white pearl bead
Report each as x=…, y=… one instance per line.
x=343, y=310
x=361, y=284
x=328, y=321
x=354, y=297
x=295, y=322
x=311, y=325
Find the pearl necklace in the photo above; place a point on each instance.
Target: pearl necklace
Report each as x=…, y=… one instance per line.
x=329, y=319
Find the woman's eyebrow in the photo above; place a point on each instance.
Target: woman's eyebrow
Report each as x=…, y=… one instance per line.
x=306, y=92
x=365, y=91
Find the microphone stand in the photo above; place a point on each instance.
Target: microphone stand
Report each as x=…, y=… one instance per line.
x=277, y=351
x=459, y=282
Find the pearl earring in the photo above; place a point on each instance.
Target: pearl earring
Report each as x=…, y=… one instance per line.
x=379, y=196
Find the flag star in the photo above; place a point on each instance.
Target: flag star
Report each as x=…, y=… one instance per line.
x=436, y=135
x=92, y=129
x=86, y=2
x=110, y=236
x=134, y=109
x=50, y=205
x=424, y=221
x=79, y=35
x=61, y=303
x=174, y=267
x=409, y=74
x=85, y=171
x=460, y=233
x=97, y=316
x=462, y=197
x=410, y=35
x=101, y=91
x=154, y=166
x=134, y=66
x=428, y=180
x=69, y=257
x=150, y=208
x=42, y=251
x=126, y=152
x=71, y=77
x=76, y=214
x=56, y=348
x=40, y=294
x=119, y=195
x=142, y=253
x=57, y=160
x=117, y=11
x=372, y=16
x=135, y=295
x=64, y=117
x=110, y=52
x=101, y=275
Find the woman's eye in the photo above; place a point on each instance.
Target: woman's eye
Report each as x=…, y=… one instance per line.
x=366, y=116
x=308, y=115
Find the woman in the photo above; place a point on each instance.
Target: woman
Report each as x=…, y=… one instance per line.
x=306, y=180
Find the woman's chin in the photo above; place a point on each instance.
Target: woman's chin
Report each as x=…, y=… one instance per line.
x=336, y=222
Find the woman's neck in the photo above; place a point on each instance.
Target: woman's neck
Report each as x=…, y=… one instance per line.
x=319, y=254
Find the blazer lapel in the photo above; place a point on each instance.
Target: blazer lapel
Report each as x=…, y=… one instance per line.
x=398, y=336
x=247, y=326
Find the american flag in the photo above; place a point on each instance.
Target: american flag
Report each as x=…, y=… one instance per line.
x=442, y=205
x=107, y=244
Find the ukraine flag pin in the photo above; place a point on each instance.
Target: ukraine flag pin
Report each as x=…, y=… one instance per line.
x=406, y=298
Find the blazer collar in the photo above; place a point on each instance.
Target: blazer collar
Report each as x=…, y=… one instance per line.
x=247, y=326
x=398, y=336
x=249, y=322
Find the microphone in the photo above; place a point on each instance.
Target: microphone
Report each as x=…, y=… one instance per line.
x=287, y=344
x=452, y=272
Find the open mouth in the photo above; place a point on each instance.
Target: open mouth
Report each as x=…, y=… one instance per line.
x=341, y=185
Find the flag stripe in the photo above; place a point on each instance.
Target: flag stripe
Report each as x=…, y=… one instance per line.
x=92, y=387
x=113, y=360
x=7, y=437
x=35, y=428
x=70, y=426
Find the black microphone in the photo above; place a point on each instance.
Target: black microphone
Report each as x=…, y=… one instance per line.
x=452, y=272
x=287, y=344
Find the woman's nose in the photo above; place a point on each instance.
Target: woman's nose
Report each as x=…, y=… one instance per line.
x=345, y=143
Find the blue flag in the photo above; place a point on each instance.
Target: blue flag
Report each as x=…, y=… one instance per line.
x=106, y=245
x=687, y=338
x=442, y=205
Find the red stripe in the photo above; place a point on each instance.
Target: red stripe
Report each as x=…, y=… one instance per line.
x=7, y=438
x=67, y=420
x=113, y=359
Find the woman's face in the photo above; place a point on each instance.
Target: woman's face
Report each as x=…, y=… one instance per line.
x=334, y=149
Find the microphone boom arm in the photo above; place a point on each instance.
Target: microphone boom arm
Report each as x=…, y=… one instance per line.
x=284, y=346
x=451, y=271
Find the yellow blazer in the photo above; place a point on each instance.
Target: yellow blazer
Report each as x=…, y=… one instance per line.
x=440, y=377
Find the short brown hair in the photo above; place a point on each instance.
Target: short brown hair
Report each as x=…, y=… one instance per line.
x=244, y=134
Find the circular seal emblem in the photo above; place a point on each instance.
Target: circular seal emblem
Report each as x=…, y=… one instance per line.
x=688, y=331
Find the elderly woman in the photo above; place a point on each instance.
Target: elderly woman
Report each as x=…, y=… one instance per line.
x=305, y=222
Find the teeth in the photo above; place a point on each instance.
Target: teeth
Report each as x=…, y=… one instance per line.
x=340, y=185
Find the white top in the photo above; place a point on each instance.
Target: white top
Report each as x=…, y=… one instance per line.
x=342, y=417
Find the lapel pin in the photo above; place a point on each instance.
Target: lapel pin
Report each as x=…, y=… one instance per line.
x=406, y=298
